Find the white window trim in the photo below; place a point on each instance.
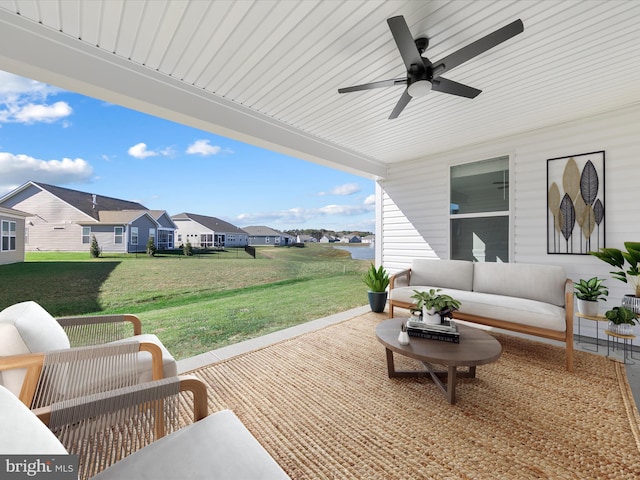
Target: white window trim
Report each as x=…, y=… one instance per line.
x=509, y=213
x=8, y=235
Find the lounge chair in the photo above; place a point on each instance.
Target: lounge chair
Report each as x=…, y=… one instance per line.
x=114, y=354
x=116, y=435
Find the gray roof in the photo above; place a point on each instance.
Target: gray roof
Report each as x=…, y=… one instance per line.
x=262, y=231
x=212, y=223
x=84, y=201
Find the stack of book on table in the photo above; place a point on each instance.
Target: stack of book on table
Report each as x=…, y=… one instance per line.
x=447, y=331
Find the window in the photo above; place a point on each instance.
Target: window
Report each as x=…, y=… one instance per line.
x=118, y=235
x=479, y=216
x=134, y=235
x=152, y=233
x=86, y=235
x=206, y=240
x=8, y=233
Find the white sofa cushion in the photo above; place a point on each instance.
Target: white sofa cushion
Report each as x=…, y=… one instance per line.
x=456, y=274
x=544, y=283
x=520, y=311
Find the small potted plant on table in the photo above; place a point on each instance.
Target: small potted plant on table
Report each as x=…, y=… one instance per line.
x=434, y=305
x=621, y=320
x=618, y=258
x=377, y=280
x=588, y=293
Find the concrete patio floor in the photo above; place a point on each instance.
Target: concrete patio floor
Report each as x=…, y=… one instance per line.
x=586, y=344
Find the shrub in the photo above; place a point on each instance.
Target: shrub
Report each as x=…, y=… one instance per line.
x=94, y=250
x=187, y=249
x=151, y=247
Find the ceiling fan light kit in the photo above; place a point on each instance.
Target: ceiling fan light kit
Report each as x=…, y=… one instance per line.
x=423, y=75
x=419, y=88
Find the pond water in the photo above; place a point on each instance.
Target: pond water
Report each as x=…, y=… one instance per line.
x=364, y=252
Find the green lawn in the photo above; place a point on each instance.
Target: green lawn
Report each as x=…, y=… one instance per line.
x=194, y=304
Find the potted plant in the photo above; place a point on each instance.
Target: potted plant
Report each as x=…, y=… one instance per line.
x=434, y=305
x=377, y=280
x=621, y=320
x=588, y=293
x=618, y=258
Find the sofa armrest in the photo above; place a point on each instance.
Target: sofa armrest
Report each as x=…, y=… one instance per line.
x=400, y=279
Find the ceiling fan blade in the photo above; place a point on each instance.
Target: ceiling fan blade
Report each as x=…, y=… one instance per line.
x=443, y=85
x=405, y=42
x=476, y=48
x=404, y=100
x=369, y=86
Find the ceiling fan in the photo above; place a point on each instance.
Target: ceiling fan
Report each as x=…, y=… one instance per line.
x=423, y=75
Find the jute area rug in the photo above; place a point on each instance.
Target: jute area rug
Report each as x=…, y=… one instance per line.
x=323, y=406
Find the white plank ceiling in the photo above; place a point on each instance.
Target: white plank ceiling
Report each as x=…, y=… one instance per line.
x=267, y=71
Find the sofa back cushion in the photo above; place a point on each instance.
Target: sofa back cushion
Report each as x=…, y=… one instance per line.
x=456, y=274
x=544, y=283
x=27, y=328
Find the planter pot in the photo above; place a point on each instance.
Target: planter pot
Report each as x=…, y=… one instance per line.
x=431, y=317
x=588, y=307
x=377, y=301
x=621, y=329
x=631, y=302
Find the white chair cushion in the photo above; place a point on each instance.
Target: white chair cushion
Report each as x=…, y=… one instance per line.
x=23, y=433
x=218, y=446
x=169, y=365
x=39, y=331
x=26, y=327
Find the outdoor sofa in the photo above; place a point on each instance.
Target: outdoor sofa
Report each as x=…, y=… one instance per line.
x=526, y=298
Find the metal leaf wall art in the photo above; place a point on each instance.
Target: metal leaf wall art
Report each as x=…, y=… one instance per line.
x=575, y=211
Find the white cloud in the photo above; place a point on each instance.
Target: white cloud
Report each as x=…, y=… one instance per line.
x=18, y=169
x=202, y=147
x=346, y=189
x=25, y=101
x=370, y=200
x=32, y=113
x=139, y=150
x=299, y=216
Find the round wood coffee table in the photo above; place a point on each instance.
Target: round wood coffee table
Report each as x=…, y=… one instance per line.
x=476, y=347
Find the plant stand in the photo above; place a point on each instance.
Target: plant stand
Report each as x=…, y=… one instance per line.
x=627, y=341
x=595, y=318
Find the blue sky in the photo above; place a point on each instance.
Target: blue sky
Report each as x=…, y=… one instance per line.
x=69, y=140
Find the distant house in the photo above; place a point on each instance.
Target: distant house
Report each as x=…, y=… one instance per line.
x=12, y=235
x=369, y=239
x=306, y=239
x=351, y=239
x=202, y=231
x=166, y=229
x=328, y=239
x=62, y=219
x=261, y=235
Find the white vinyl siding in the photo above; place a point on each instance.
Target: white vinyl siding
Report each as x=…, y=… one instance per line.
x=415, y=200
x=60, y=231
